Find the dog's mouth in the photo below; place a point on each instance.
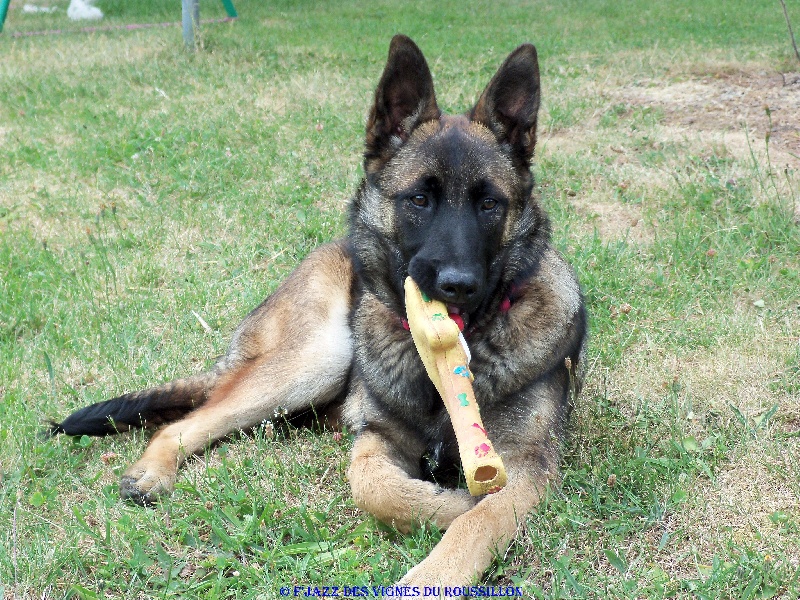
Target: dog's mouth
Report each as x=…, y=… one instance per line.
x=458, y=315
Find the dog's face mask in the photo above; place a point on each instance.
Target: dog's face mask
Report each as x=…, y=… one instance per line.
x=452, y=188
x=451, y=192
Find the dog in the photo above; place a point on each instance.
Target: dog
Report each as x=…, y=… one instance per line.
x=448, y=201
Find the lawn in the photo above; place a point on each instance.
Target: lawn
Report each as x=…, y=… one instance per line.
x=151, y=196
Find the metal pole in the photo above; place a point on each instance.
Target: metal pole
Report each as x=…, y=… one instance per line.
x=3, y=12
x=190, y=21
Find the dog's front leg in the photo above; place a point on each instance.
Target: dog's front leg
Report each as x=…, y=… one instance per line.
x=473, y=539
x=384, y=480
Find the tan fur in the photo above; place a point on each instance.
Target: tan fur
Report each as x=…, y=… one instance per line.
x=294, y=347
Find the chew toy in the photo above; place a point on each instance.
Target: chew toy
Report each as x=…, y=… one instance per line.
x=444, y=354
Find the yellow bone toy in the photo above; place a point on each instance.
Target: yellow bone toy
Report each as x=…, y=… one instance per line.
x=436, y=337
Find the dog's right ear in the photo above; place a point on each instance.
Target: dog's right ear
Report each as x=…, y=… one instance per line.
x=404, y=98
x=510, y=103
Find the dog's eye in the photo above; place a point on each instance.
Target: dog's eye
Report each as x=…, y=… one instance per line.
x=489, y=204
x=419, y=200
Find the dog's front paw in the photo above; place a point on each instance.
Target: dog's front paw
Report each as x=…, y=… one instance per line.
x=455, y=563
x=143, y=485
x=433, y=577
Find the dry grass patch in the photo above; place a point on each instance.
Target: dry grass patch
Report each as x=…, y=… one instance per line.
x=708, y=382
x=707, y=392
x=106, y=51
x=744, y=502
x=739, y=125
x=613, y=220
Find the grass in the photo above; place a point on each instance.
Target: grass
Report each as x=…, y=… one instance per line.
x=141, y=184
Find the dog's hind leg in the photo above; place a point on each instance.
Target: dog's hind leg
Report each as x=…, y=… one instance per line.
x=250, y=396
x=292, y=352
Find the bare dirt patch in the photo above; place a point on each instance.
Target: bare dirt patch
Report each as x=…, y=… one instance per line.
x=740, y=103
x=751, y=116
x=614, y=220
x=601, y=200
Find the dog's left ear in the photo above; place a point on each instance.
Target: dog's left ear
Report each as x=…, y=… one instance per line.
x=510, y=103
x=404, y=98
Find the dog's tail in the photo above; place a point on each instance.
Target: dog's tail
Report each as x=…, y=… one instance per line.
x=145, y=409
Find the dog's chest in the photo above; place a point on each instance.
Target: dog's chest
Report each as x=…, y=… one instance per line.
x=392, y=370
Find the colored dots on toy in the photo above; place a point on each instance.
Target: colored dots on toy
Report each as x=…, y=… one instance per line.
x=462, y=398
x=479, y=428
x=482, y=450
x=462, y=370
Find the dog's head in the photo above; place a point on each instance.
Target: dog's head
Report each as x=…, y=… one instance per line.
x=447, y=199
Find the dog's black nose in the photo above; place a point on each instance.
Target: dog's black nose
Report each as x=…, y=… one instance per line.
x=457, y=286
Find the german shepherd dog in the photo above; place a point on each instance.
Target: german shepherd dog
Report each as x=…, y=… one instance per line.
x=447, y=200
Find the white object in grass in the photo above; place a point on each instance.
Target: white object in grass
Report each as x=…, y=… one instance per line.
x=33, y=8
x=80, y=10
